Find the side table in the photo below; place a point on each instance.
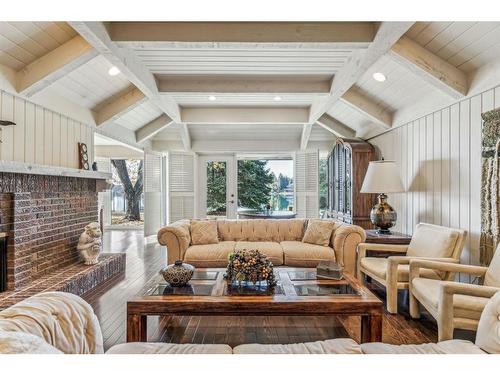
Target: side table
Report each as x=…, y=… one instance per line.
x=395, y=238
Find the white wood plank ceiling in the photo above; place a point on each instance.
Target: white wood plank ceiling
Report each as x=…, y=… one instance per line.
x=150, y=88
x=23, y=42
x=278, y=60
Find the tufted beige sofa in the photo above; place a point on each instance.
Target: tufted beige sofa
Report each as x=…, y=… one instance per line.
x=280, y=240
x=57, y=323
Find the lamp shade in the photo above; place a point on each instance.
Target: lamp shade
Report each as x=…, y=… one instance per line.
x=382, y=177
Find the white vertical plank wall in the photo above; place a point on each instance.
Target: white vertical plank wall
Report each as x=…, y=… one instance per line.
x=439, y=156
x=40, y=135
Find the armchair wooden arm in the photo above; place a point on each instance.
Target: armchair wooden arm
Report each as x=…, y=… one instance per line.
x=448, y=290
x=417, y=264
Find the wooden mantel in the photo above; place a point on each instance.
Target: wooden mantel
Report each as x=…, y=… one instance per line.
x=27, y=168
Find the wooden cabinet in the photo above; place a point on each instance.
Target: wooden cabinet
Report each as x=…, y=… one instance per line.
x=347, y=165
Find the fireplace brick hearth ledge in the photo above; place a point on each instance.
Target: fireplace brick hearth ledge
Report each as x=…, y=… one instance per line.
x=43, y=211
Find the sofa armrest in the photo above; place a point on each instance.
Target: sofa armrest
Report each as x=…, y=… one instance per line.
x=177, y=238
x=63, y=320
x=345, y=241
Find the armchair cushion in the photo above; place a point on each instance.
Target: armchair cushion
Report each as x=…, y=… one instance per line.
x=272, y=250
x=213, y=255
x=204, y=232
x=443, y=347
x=300, y=254
x=319, y=232
x=488, y=330
x=427, y=291
x=492, y=276
x=432, y=241
x=378, y=267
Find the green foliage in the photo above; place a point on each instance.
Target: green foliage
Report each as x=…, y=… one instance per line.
x=323, y=183
x=254, y=183
x=257, y=186
x=216, y=187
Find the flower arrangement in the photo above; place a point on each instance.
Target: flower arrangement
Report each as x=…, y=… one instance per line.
x=249, y=266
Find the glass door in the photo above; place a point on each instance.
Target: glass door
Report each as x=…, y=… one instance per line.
x=217, y=186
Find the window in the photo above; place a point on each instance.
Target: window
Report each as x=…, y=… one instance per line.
x=323, y=184
x=265, y=184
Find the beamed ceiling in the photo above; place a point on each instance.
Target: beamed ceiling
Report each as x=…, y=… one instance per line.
x=222, y=86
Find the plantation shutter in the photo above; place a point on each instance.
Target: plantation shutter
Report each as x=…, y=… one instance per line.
x=152, y=193
x=306, y=184
x=180, y=186
x=104, y=197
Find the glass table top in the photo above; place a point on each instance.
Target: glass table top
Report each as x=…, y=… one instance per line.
x=289, y=282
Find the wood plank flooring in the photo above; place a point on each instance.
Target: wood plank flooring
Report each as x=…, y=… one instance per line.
x=144, y=261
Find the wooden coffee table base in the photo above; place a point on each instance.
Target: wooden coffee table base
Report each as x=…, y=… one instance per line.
x=371, y=328
x=288, y=302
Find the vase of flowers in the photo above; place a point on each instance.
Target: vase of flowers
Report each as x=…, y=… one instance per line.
x=249, y=266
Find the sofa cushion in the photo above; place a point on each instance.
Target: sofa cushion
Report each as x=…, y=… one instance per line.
x=268, y=230
x=443, y=347
x=432, y=241
x=336, y=346
x=319, y=232
x=204, y=232
x=24, y=343
x=378, y=268
x=164, y=348
x=213, y=255
x=300, y=254
x=427, y=291
x=272, y=250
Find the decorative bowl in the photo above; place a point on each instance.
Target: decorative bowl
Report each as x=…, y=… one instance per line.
x=177, y=274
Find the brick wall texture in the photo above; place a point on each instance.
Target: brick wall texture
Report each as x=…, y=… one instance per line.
x=44, y=217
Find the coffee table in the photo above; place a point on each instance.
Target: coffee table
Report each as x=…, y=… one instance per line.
x=298, y=293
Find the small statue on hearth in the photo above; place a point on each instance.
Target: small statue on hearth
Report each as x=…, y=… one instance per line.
x=89, y=245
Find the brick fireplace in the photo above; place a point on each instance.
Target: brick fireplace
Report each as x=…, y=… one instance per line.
x=44, y=217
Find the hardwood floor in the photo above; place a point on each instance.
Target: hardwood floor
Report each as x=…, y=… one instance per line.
x=144, y=261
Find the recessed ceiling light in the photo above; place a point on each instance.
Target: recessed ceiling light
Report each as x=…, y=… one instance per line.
x=113, y=71
x=277, y=98
x=379, y=77
x=212, y=98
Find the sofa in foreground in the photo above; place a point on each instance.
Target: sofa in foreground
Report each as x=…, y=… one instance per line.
x=284, y=241
x=63, y=323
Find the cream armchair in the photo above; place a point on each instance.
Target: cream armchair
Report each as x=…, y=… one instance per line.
x=431, y=242
x=452, y=304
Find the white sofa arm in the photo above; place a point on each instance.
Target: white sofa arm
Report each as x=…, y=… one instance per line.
x=63, y=320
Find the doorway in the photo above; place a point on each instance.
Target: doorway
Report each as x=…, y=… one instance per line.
x=217, y=186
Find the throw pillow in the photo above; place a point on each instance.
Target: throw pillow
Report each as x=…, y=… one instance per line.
x=319, y=232
x=204, y=232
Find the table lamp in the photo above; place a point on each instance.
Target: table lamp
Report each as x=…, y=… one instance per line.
x=382, y=177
